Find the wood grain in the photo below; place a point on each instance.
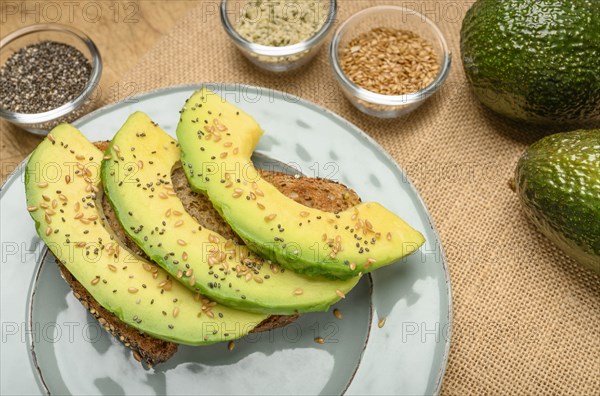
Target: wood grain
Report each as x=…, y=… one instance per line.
x=122, y=30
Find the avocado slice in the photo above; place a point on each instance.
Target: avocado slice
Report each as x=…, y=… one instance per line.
x=62, y=185
x=535, y=61
x=217, y=140
x=558, y=183
x=137, y=181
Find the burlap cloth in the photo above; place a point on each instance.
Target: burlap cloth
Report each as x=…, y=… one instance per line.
x=526, y=318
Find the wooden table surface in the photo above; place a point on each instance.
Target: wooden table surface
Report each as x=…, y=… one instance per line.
x=122, y=30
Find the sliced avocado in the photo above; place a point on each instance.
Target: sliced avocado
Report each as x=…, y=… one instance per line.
x=217, y=140
x=63, y=192
x=558, y=183
x=137, y=181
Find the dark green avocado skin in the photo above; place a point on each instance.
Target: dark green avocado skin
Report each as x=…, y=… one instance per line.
x=558, y=183
x=535, y=60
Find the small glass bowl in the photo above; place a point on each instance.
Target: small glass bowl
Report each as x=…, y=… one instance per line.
x=275, y=59
x=42, y=123
x=388, y=106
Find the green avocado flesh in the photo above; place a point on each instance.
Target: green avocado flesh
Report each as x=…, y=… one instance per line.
x=558, y=182
x=137, y=181
x=217, y=140
x=62, y=185
x=535, y=60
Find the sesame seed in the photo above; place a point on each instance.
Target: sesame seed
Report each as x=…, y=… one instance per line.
x=48, y=231
x=297, y=291
x=46, y=198
x=340, y=293
x=178, y=223
x=231, y=345
x=95, y=280
x=112, y=268
x=175, y=312
x=319, y=340
x=132, y=290
x=381, y=323
x=304, y=214
x=42, y=184
x=32, y=208
x=181, y=242
x=352, y=266
x=270, y=217
x=260, y=206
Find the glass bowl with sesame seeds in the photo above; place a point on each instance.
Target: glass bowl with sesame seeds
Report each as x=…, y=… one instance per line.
x=278, y=36
x=388, y=60
x=48, y=75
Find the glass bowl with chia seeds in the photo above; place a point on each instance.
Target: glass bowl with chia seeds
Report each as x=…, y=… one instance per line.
x=388, y=60
x=278, y=35
x=48, y=75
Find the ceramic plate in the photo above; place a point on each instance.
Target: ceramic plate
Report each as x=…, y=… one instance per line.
x=50, y=344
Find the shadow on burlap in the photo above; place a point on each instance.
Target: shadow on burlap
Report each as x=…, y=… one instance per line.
x=526, y=318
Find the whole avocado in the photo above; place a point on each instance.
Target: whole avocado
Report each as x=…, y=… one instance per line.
x=535, y=60
x=558, y=182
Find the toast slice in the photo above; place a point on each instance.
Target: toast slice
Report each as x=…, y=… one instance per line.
x=319, y=193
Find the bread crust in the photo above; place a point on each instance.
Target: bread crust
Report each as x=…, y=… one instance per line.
x=323, y=194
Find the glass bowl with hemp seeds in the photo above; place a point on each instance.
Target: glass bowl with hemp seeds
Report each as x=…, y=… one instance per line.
x=388, y=60
x=279, y=35
x=48, y=75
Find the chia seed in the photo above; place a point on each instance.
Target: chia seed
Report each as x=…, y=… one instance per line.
x=43, y=76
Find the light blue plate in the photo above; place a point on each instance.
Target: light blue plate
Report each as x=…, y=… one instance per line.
x=50, y=344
